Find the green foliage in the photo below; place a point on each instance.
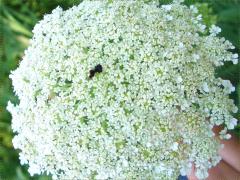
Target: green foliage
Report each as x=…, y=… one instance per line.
x=17, y=18
x=208, y=17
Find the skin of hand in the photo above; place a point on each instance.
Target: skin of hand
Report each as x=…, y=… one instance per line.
x=229, y=167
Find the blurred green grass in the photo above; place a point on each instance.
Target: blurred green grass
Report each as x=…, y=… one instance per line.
x=17, y=18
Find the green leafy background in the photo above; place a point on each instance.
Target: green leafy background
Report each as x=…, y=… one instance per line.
x=17, y=18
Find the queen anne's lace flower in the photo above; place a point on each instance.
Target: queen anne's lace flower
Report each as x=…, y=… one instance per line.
x=147, y=115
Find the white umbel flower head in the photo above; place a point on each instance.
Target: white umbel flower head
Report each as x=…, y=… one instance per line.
x=121, y=90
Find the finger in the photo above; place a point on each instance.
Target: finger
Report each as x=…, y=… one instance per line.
x=223, y=171
x=192, y=176
x=231, y=151
x=215, y=173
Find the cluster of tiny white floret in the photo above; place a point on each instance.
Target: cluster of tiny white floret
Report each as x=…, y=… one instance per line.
x=147, y=115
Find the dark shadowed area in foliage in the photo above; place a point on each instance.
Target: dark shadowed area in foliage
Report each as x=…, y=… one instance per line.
x=17, y=19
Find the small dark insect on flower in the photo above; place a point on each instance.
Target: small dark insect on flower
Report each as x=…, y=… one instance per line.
x=97, y=69
x=92, y=72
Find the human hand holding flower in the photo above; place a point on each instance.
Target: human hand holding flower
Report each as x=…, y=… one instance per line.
x=229, y=166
